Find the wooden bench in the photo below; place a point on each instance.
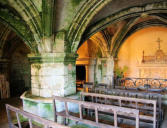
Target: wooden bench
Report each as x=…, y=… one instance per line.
x=88, y=87
x=30, y=117
x=116, y=111
x=143, y=105
x=140, y=94
x=133, y=92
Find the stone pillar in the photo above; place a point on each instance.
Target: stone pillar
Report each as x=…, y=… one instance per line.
x=98, y=73
x=105, y=70
x=53, y=74
x=92, y=63
x=110, y=71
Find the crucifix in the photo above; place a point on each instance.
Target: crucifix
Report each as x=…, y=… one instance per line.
x=159, y=41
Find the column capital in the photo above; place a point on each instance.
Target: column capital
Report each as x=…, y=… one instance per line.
x=52, y=57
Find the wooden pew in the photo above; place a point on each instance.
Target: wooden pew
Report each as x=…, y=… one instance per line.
x=140, y=94
x=88, y=87
x=143, y=105
x=133, y=92
x=116, y=111
x=30, y=117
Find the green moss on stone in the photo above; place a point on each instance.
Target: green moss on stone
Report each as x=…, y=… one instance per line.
x=30, y=103
x=18, y=25
x=76, y=2
x=60, y=34
x=100, y=67
x=48, y=107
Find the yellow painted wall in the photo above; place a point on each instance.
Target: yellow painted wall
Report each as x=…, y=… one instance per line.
x=130, y=53
x=83, y=54
x=89, y=49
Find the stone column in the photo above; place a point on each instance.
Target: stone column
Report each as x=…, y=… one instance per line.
x=98, y=71
x=53, y=74
x=110, y=71
x=92, y=63
x=105, y=70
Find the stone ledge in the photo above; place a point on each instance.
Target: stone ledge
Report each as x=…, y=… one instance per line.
x=43, y=107
x=28, y=96
x=52, y=57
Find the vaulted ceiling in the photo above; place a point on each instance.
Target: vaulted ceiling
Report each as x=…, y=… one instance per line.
x=9, y=41
x=111, y=37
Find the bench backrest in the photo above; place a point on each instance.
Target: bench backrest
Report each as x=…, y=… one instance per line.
x=88, y=86
x=115, y=110
x=122, y=101
x=133, y=92
x=140, y=94
x=30, y=117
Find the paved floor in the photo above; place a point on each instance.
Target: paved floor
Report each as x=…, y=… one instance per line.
x=3, y=117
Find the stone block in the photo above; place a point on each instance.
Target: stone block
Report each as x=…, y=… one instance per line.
x=45, y=110
x=52, y=69
x=30, y=106
x=70, y=90
x=34, y=85
x=59, y=92
x=41, y=107
x=59, y=45
x=52, y=82
x=35, y=79
x=35, y=91
x=46, y=93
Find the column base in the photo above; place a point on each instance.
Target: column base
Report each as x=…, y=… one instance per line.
x=43, y=107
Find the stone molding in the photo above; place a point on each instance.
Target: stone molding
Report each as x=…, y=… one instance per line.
x=52, y=57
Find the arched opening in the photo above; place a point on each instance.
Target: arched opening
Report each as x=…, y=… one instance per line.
x=15, y=73
x=91, y=52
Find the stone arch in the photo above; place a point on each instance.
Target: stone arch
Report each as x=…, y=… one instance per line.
x=129, y=30
x=24, y=19
x=21, y=31
x=83, y=18
x=101, y=43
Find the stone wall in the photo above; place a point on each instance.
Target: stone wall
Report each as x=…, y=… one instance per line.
x=19, y=71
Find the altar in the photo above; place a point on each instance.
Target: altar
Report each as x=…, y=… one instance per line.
x=153, y=66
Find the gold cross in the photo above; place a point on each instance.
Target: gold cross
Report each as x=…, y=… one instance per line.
x=159, y=41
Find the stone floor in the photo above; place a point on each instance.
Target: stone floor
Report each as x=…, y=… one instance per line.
x=3, y=117
x=18, y=103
